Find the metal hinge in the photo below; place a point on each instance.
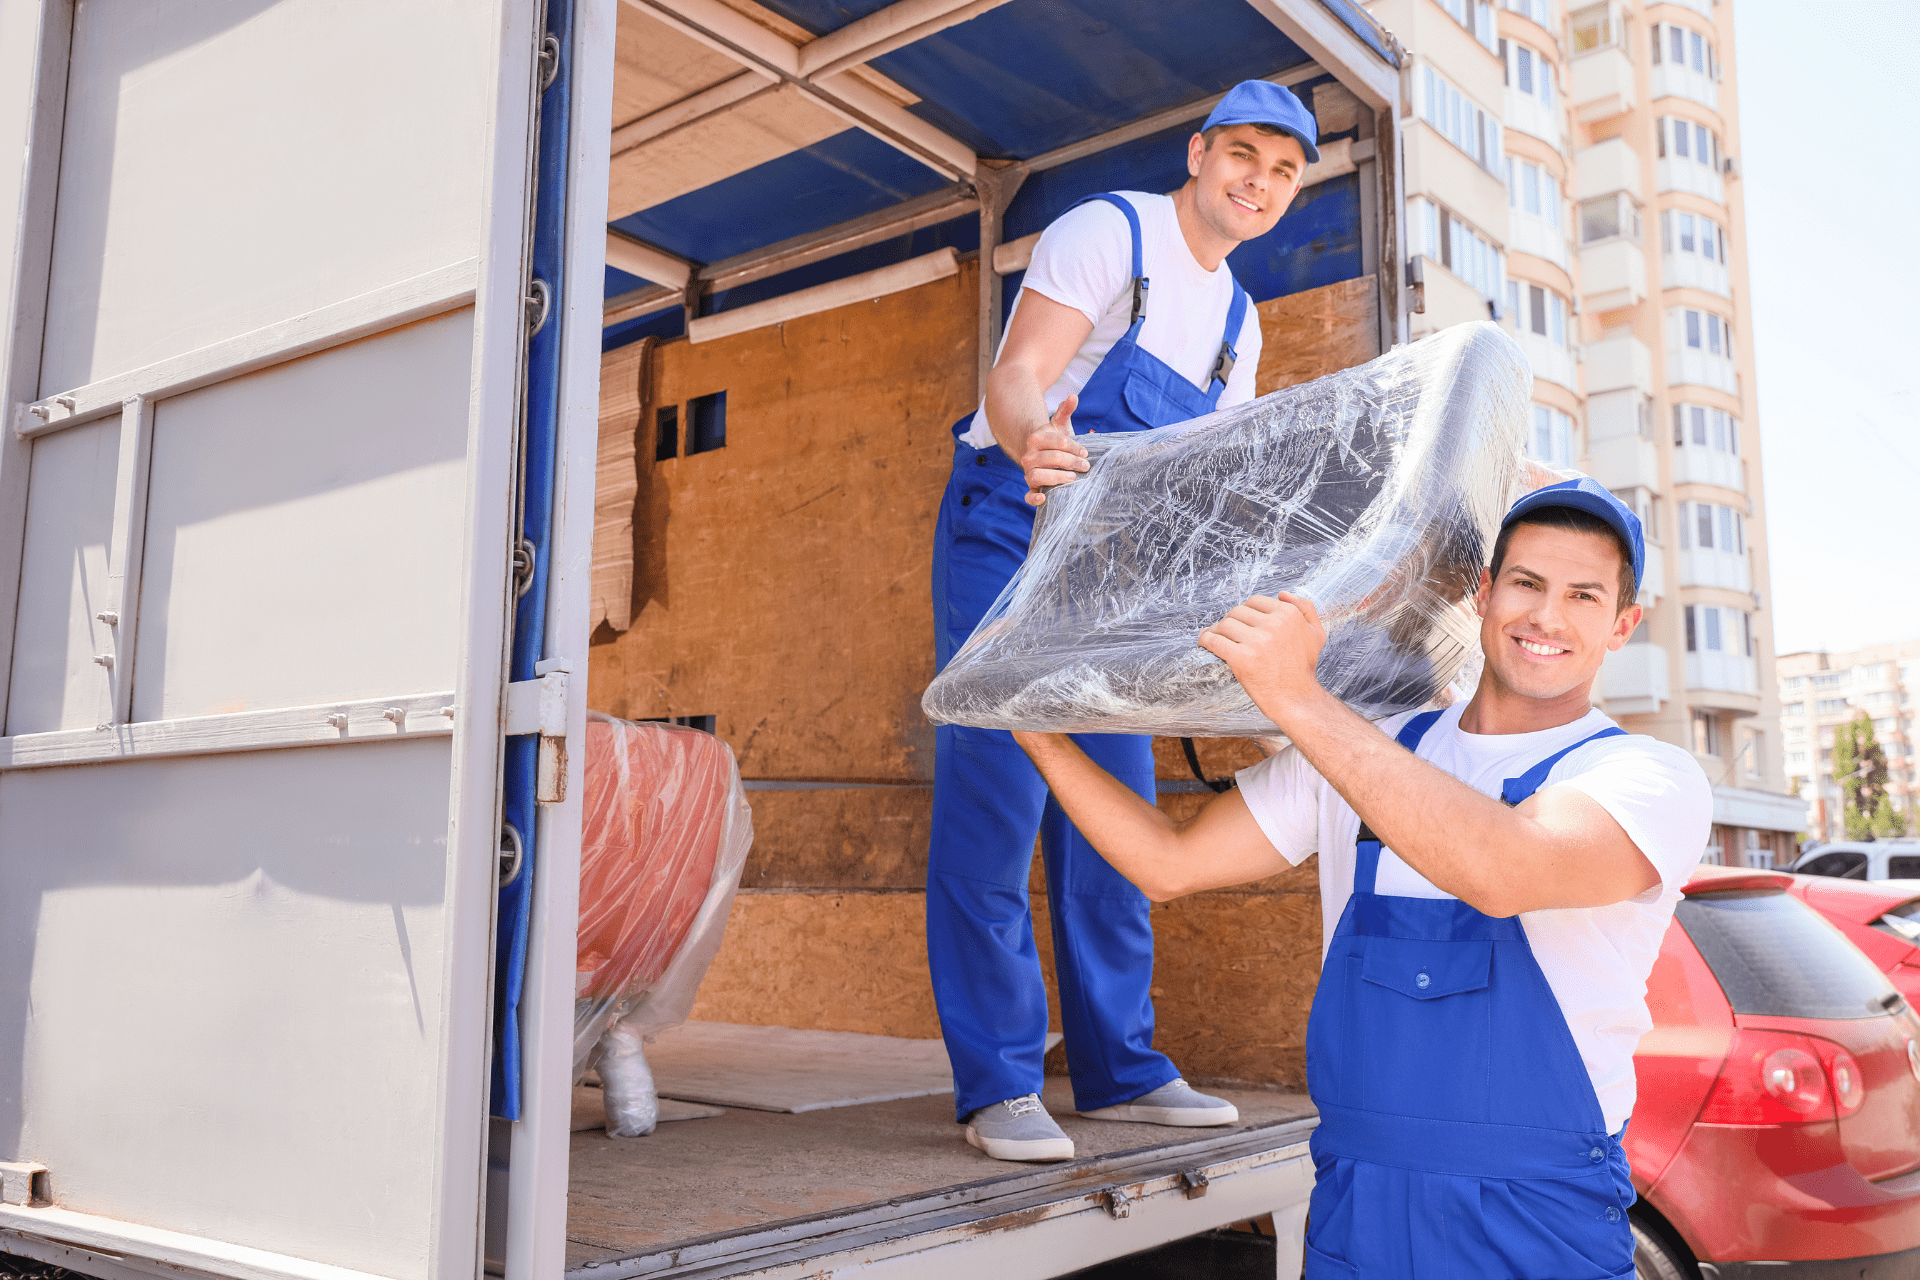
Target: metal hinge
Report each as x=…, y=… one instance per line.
x=540, y=706
x=1119, y=1203
x=539, y=303
x=548, y=60
x=1195, y=1182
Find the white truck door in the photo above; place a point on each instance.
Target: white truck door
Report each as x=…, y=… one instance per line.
x=265, y=368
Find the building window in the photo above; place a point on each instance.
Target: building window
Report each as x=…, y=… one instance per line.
x=1443, y=238
x=1538, y=310
x=1830, y=680
x=1609, y=216
x=1708, y=428
x=707, y=418
x=1870, y=672
x=1885, y=724
x=1677, y=46
x=1459, y=121
x=1796, y=758
x=1713, y=629
x=1830, y=706
x=1706, y=733
x=1696, y=234
x=1552, y=441
x=1793, y=682
x=1708, y=526
x=1594, y=27
x=1884, y=698
x=1475, y=15
x=666, y=433
x=1532, y=189
x=1535, y=9
x=1705, y=331
x=1688, y=141
x=1529, y=72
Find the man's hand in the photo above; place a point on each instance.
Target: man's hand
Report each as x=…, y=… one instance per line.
x=1053, y=456
x=1273, y=647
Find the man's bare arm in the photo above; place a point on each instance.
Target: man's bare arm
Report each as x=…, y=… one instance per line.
x=1219, y=846
x=1041, y=340
x=1558, y=849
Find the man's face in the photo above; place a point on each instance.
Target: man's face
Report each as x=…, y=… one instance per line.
x=1550, y=618
x=1245, y=180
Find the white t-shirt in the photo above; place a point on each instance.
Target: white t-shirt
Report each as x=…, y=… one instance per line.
x=1084, y=260
x=1596, y=959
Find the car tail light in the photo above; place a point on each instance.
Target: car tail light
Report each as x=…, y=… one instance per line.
x=1774, y=1077
x=1843, y=1074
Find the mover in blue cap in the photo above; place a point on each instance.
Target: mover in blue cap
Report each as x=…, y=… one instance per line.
x=1128, y=319
x=1495, y=879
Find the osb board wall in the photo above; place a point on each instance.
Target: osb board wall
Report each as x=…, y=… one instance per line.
x=781, y=584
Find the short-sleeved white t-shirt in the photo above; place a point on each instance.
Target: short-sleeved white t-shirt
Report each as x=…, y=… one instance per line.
x=1084, y=260
x=1596, y=959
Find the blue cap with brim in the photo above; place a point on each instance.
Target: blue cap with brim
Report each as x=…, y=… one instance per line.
x=1263, y=102
x=1589, y=495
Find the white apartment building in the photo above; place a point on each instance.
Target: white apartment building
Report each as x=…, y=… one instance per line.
x=1573, y=172
x=1819, y=691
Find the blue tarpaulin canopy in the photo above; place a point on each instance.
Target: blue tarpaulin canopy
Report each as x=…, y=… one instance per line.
x=764, y=148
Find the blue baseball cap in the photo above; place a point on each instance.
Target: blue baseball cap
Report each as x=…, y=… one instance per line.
x=1264, y=102
x=1589, y=495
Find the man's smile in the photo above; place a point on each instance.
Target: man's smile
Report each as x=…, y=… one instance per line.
x=1244, y=203
x=1543, y=648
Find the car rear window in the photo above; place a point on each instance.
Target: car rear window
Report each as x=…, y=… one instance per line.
x=1848, y=864
x=1904, y=866
x=1775, y=956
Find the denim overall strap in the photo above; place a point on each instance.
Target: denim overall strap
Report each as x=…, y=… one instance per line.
x=1228, y=357
x=1366, y=864
x=1515, y=790
x=1140, y=282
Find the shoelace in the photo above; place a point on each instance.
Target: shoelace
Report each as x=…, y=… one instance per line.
x=1024, y=1106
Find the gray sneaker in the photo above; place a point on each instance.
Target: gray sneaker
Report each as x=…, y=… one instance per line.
x=1175, y=1103
x=1018, y=1129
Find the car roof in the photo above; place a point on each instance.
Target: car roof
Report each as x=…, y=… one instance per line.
x=1706, y=878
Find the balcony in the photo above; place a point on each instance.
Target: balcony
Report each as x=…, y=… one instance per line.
x=1525, y=113
x=1551, y=363
x=1759, y=810
x=1710, y=673
x=1702, y=7
x=1653, y=580
x=1690, y=271
x=1624, y=462
x=1695, y=367
x=1706, y=567
x=1450, y=301
x=1604, y=168
x=1677, y=173
x=1619, y=364
x=1633, y=680
x=1602, y=85
x=1671, y=80
x=1613, y=274
x=1437, y=168
x=1697, y=464
x=1531, y=233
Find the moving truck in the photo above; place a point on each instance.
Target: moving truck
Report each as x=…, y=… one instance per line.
x=388, y=381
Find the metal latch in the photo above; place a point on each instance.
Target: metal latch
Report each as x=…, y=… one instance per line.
x=1195, y=1182
x=24, y=1183
x=538, y=706
x=1119, y=1203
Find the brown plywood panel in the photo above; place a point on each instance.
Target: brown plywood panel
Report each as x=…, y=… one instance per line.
x=782, y=583
x=617, y=484
x=752, y=132
x=1309, y=335
x=655, y=66
x=866, y=838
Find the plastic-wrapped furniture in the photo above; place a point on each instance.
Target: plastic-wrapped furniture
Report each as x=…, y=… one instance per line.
x=1376, y=492
x=665, y=830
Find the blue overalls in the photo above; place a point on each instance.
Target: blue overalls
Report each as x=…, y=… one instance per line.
x=1460, y=1137
x=989, y=801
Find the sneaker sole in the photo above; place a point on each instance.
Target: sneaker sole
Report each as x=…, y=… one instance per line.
x=1035, y=1150
x=1178, y=1117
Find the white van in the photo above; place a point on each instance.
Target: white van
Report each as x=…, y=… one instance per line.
x=1863, y=860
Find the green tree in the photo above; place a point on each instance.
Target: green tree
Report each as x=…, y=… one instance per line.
x=1888, y=823
x=1860, y=769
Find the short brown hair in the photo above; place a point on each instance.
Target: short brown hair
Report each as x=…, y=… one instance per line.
x=1574, y=520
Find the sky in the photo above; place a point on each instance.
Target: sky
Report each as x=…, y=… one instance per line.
x=1832, y=192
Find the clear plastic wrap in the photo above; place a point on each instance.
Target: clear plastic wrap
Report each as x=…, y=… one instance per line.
x=665, y=830
x=1375, y=492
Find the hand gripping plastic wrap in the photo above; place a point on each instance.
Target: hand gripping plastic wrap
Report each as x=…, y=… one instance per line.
x=1375, y=492
x=665, y=830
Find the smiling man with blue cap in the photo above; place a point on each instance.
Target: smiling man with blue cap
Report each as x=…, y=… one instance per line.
x=1495, y=880
x=1128, y=319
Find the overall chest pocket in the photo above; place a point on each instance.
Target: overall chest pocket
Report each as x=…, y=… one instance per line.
x=1156, y=396
x=1426, y=970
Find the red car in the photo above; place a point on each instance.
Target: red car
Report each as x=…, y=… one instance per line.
x=1777, y=1131
x=1881, y=917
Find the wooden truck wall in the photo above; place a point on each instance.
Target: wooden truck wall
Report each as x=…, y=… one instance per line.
x=776, y=579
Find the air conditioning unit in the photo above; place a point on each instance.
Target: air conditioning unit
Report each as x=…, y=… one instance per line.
x=1730, y=166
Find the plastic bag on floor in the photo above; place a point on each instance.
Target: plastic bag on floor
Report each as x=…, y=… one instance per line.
x=665, y=830
x=1376, y=492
